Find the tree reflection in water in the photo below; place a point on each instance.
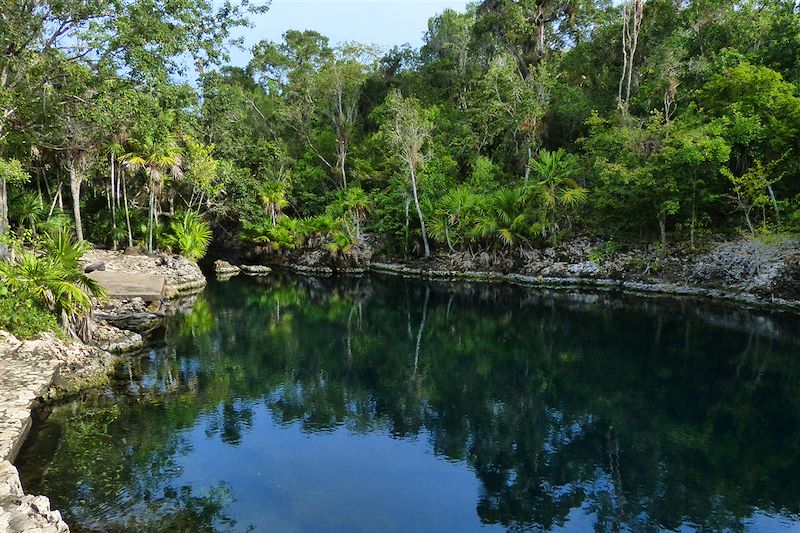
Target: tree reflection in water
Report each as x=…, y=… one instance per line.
x=642, y=414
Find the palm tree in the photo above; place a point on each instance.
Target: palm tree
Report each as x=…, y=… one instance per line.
x=28, y=211
x=504, y=218
x=555, y=191
x=156, y=159
x=452, y=213
x=355, y=202
x=272, y=195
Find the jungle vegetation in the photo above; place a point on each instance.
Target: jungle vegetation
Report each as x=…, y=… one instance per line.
x=517, y=124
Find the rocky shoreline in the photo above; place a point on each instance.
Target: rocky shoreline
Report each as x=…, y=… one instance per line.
x=578, y=283
x=747, y=271
x=49, y=367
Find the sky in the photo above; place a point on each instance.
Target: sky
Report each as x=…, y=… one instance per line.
x=382, y=22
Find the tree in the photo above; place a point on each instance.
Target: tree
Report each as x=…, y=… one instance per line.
x=339, y=81
x=750, y=191
x=554, y=191
x=632, y=13
x=272, y=195
x=156, y=158
x=408, y=130
x=11, y=172
x=38, y=38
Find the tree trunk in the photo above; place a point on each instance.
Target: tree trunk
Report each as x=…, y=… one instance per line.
x=419, y=212
x=113, y=207
x=127, y=212
x=75, y=189
x=408, y=225
x=774, y=204
x=662, y=225
x=447, y=238
x=150, y=222
x=3, y=218
x=341, y=157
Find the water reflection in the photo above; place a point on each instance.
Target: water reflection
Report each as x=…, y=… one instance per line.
x=542, y=410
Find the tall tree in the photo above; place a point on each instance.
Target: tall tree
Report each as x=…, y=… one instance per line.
x=146, y=38
x=408, y=130
x=155, y=158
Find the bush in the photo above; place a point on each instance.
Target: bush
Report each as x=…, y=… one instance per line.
x=53, y=281
x=24, y=315
x=190, y=235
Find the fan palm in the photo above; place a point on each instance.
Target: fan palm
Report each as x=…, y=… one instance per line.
x=355, y=202
x=272, y=195
x=554, y=192
x=452, y=214
x=28, y=211
x=54, y=278
x=504, y=218
x=191, y=234
x=156, y=159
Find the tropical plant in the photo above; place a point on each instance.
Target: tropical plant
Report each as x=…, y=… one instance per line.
x=272, y=195
x=353, y=203
x=190, y=234
x=56, y=280
x=452, y=215
x=503, y=219
x=155, y=158
x=554, y=192
x=28, y=211
x=340, y=242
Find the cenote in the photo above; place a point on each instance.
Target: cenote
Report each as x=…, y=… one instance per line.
x=382, y=404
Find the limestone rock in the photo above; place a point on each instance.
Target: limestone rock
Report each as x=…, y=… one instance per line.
x=223, y=267
x=256, y=270
x=181, y=275
x=115, y=340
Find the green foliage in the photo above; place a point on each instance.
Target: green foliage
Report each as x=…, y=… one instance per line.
x=12, y=172
x=190, y=235
x=603, y=253
x=53, y=280
x=751, y=192
x=554, y=192
x=497, y=105
x=23, y=314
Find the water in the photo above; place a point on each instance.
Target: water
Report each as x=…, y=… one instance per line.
x=295, y=404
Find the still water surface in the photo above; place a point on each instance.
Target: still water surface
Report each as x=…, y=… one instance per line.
x=381, y=404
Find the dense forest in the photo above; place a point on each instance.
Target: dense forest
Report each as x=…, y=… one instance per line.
x=517, y=124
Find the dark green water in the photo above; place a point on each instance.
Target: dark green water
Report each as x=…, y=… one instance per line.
x=295, y=404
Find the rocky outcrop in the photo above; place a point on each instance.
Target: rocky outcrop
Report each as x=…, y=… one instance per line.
x=116, y=340
x=223, y=267
x=256, y=270
x=751, y=272
x=31, y=371
x=24, y=513
x=767, y=268
x=182, y=276
x=132, y=314
x=317, y=256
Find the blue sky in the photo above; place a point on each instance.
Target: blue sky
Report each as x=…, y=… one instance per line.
x=382, y=22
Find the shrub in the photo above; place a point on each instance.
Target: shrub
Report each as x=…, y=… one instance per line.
x=53, y=280
x=24, y=315
x=190, y=235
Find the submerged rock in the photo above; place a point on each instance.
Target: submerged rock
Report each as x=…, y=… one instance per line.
x=115, y=340
x=224, y=268
x=256, y=270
